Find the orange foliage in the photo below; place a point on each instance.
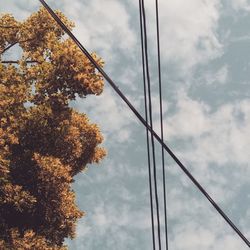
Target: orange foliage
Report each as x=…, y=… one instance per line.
x=43, y=142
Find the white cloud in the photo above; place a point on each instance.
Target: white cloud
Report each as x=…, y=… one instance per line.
x=219, y=136
x=113, y=170
x=102, y=25
x=214, y=145
x=197, y=225
x=188, y=31
x=20, y=10
x=221, y=76
x=108, y=216
x=193, y=238
x=244, y=38
x=241, y=5
x=83, y=229
x=117, y=221
x=190, y=120
x=214, y=236
x=110, y=113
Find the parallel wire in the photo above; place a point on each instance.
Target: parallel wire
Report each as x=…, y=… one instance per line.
x=161, y=121
x=147, y=131
x=151, y=120
x=142, y=120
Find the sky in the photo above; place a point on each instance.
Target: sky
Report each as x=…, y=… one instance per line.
x=206, y=78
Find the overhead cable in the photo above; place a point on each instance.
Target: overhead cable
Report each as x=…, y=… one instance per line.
x=147, y=131
x=144, y=24
x=161, y=121
x=142, y=120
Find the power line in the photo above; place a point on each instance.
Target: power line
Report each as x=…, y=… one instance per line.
x=161, y=121
x=157, y=137
x=151, y=119
x=147, y=131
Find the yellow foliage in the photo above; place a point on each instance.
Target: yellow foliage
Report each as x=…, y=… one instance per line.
x=29, y=241
x=43, y=142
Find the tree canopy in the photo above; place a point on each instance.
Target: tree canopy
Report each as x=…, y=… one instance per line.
x=44, y=143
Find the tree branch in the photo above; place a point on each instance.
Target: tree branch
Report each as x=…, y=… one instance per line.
x=8, y=47
x=10, y=61
x=13, y=44
x=8, y=27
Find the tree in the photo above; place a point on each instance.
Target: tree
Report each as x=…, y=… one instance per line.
x=43, y=142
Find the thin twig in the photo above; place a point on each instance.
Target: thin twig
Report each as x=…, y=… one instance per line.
x=8, y=47
x=13, y=44
x=8, y=27
x=10, y=61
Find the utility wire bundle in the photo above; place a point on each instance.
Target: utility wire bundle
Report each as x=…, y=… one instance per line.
x=148, y=109
x=149, y=127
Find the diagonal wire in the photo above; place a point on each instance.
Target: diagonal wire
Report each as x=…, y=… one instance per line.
x=151, y=121
x=147, y=131
x=161, y=120
x=142, y=120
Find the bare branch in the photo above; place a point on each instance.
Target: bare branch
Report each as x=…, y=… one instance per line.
x=8, y=47
x=8, y=27
x=17, y=62
x=13, y=44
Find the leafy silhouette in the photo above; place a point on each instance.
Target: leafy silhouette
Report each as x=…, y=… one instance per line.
x=43, y=142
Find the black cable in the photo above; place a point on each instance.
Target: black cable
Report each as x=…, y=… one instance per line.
x=161, y=121
x=157, y=137
x=147, y=131
x=151, y=120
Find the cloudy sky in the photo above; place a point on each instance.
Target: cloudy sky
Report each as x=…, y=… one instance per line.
x=206, y=77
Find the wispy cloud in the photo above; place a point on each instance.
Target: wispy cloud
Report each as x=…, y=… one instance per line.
x=110, y=114
x=20, y=10
x=219, y=136
x=213, y=143
x=188, y=31
x=102, y=25
x=240, y=5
